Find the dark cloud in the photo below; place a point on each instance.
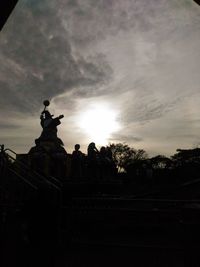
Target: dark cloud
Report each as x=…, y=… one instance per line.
x=38, y=62
x=147, y=106
x=143, y=111
x=130, y=139
x=8, y=126
x=38, y=57
x=91, y=21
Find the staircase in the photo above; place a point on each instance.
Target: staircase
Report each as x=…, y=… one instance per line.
x=30, y=213
x=38, y=223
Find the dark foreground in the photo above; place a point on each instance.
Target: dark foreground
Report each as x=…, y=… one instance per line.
x=94, y=223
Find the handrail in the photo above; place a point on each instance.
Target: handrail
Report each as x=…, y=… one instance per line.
x=33, y=171
x=8, y=149
x=56, y=180
x=41, y=177
x=22, y=178
x=25, y=166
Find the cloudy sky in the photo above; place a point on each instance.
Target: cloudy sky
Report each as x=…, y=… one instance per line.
x=131, y=64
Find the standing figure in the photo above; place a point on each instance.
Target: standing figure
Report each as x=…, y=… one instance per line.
x=93, y=161
x=107, y=164
x=77, y=162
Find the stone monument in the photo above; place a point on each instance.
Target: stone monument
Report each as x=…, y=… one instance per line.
x=48, y=156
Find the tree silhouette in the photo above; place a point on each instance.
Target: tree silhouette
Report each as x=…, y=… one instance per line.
x=123, y=155
x=186, y=157
x=160, y=162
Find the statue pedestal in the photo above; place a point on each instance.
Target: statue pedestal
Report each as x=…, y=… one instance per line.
x=49, y=159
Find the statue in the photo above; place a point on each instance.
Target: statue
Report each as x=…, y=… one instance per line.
x=48, y=156
x=49, y=126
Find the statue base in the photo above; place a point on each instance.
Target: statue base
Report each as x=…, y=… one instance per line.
x=49, y=158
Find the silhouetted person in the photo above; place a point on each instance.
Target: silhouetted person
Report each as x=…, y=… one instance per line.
x=104, y=163
x=103, y=151
x=92, y=152
x=93, y=160
x=107, y=164
x=77, y=162
x=109, y=153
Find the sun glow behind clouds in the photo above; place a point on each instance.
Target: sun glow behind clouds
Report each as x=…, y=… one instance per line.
x=99, y=123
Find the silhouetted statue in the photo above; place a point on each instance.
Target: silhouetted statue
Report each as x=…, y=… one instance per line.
x=49, y=125
x=77, y=162
x=49, y=155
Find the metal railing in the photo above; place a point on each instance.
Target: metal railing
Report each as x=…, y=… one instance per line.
x=32, y=174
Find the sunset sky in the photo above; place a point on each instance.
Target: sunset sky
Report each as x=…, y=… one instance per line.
x=119, y=70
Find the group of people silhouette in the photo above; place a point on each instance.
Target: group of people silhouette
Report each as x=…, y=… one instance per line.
x=96, y=164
